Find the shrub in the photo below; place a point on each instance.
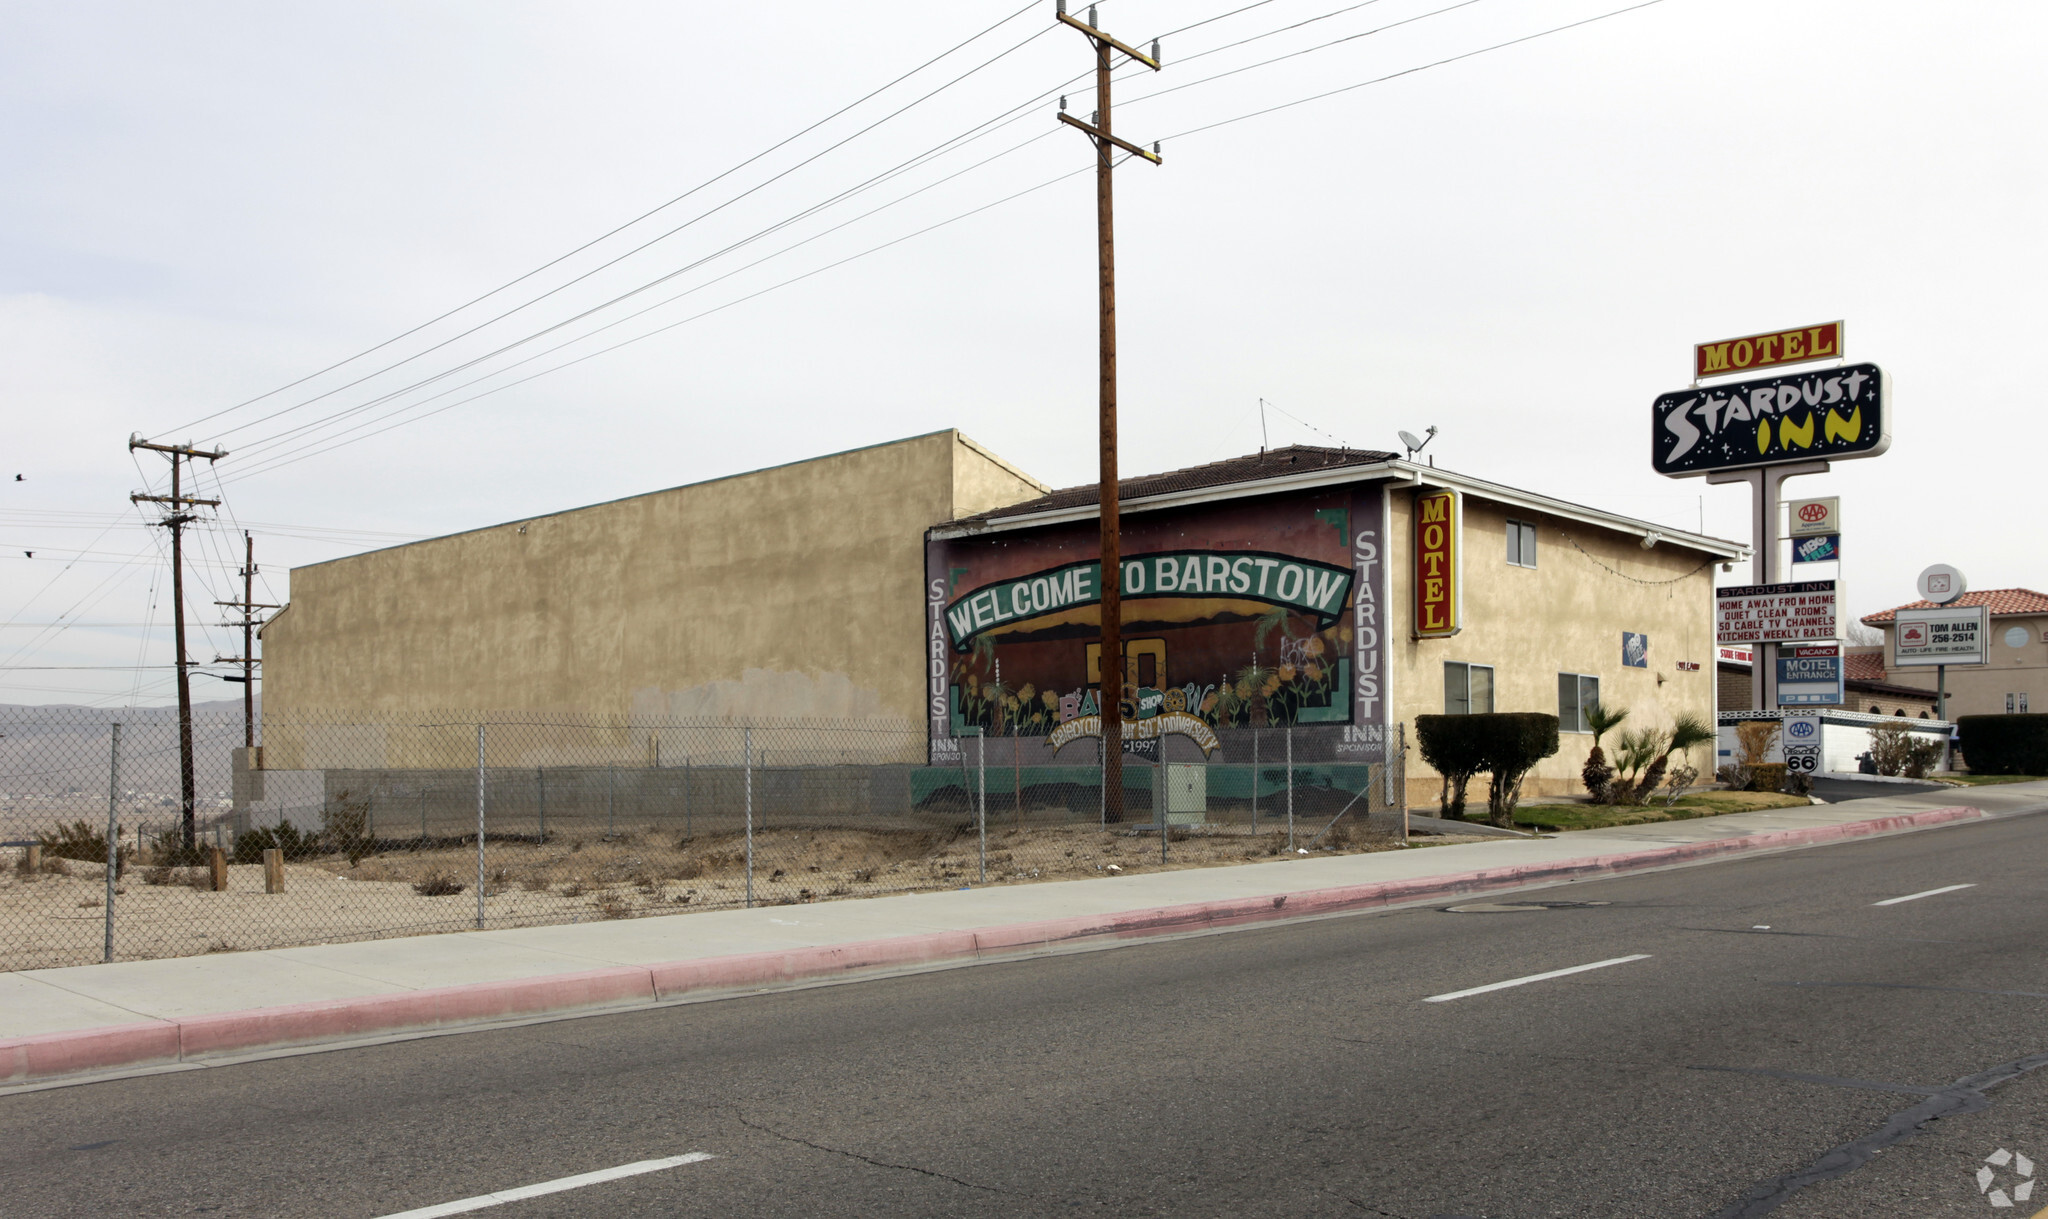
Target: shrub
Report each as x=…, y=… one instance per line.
x=1921, y=756
x=2005, y=744
x=1890, y=749
x=1506, y=744
x=345, y=823
x=1451, y=745
x=438, y=884
x=82, y=842
x=1516, y=741
x=1753, y=741
x=250, y=844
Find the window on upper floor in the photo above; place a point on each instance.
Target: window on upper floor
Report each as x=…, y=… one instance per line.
x=1521, y=544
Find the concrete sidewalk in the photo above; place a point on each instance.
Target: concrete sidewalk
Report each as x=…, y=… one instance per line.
x=93, y=1020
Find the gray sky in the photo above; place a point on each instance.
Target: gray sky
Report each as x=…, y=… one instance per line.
x=204, y=202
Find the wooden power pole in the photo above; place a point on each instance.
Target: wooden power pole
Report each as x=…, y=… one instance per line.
x=176, y=522
x=1111, y=689
x=248, y=605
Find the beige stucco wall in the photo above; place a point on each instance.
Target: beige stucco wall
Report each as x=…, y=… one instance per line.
x=1981, y=689
x=792, y=591
x=1567, y=614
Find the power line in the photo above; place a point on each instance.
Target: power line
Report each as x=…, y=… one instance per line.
x=620, y=229
x=283, y=460
x=644, y=245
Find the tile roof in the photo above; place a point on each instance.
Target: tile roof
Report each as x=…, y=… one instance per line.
x=1863, y=666
x=2003, y=602
x=1253, y=467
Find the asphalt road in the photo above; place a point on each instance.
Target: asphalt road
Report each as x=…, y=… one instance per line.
x=1774, y=1052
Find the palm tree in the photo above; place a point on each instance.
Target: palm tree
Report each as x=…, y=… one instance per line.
x=1688, y=731
x=1597, y=773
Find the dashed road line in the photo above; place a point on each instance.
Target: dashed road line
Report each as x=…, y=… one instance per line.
x=1914, y=897
x=556, y=1186
x=1542, y=977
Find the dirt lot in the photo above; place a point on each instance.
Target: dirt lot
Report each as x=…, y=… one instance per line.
x=56, y=917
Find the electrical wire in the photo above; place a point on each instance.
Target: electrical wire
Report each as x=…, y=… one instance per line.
x=620, y=229
x=283, y=460
x=646, y=244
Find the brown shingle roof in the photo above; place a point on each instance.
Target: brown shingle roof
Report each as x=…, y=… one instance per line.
x=1254, y=467
x=2003, y=602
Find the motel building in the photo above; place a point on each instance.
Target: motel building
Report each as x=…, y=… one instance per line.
x=1301, y=602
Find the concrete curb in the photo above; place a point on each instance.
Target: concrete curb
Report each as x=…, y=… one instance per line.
x=54, y=1055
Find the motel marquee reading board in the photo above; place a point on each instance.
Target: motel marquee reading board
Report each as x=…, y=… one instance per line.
x=1803, y=612
x=1827, y=414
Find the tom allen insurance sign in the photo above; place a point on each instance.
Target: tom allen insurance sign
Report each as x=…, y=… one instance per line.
x=1804, y=612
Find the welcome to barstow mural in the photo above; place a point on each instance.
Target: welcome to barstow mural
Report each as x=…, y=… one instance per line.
x=1237, y=615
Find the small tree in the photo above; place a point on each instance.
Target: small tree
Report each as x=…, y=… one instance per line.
x=1634, y=750
x=1753, y=739
x=1451, y=745
x=1688, y=732
x=1597, y=773
x=1514, y=743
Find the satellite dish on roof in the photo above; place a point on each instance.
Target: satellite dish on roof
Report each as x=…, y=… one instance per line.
x=1417, y=443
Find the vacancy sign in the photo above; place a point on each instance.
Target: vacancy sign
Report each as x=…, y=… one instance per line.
x=1823, y=342
x=1804, y=612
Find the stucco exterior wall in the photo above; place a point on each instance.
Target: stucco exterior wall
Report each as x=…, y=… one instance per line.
x=792, y=591
x=1567, y=614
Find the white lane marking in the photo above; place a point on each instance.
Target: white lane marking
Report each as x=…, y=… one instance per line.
x=555, y=1186
x=1914, y=897
x=1555, y=973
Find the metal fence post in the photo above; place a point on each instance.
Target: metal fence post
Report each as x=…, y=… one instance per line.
x=1102, y=760
x=479, y=827
x=113, y=835
x=686, y=795
x=981, y=813
x=1255, y=778
x=1159, y=797
x=611, y=783
x=1290, y=787
x=747, y=768
x=540, y=779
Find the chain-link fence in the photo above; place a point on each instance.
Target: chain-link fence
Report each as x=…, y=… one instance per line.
x=347, y=831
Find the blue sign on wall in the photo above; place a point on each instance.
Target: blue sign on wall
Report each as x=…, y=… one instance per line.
x=1820, y=548
x=1635, y=650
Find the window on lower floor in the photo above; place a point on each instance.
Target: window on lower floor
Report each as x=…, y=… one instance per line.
x=1577, y=693
x=1468, y=688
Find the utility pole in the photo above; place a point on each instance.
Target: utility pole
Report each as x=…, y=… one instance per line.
x=176, y=522
x=1111, y=690
x=248, y=605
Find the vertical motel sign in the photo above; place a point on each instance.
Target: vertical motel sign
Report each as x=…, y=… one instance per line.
x=1436, y=564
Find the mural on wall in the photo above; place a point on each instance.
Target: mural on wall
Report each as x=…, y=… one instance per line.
x=1238, y=614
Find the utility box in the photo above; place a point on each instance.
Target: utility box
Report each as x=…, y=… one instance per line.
x=1187, y=793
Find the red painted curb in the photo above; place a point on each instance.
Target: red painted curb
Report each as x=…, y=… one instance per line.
x=53, y=1055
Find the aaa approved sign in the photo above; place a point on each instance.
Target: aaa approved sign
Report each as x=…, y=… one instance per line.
x=1776, y=613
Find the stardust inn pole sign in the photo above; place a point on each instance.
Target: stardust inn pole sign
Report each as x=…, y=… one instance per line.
x=1762, y=431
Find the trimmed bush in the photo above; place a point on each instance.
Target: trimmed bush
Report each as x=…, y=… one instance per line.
x=2005, y=744
x=1506, y=744
x=1453, y=746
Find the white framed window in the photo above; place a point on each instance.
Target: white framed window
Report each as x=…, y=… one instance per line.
x=1576, y=694
x=1521, y=544
x=1468, y=688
